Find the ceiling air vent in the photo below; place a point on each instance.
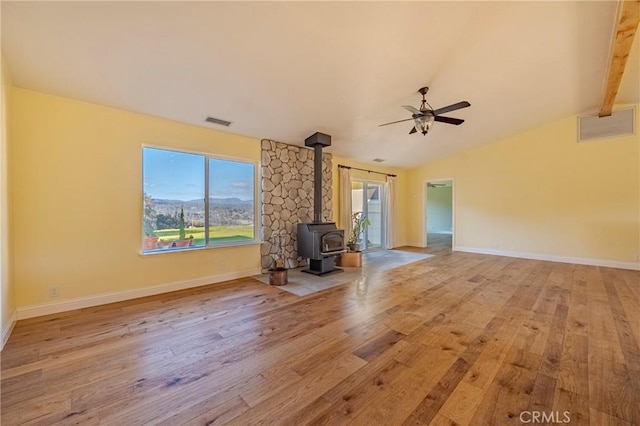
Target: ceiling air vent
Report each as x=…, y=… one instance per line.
x=378, y=160
x=217, y=121
x=619, y=123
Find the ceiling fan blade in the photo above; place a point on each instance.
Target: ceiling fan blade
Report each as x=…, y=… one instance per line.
x=448, y=120
x=394, y=122
x=413, y=130
x=451, y=107
x=411, y=109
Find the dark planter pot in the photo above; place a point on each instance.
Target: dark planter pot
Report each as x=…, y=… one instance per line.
x=278, y=276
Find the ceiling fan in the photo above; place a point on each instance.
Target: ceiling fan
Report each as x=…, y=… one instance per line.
x=424, y=117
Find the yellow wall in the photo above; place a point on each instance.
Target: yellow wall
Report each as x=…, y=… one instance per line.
x=440, y=209
x=541, y=192
x=77, y=199
x=402, y=186
x=7, y=307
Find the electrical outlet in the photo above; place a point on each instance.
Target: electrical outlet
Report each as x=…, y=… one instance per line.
x=54, y=292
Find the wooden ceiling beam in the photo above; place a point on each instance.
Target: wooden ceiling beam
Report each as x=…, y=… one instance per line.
x=626, y=27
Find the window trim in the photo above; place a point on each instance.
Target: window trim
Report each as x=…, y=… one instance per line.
x=257, y=202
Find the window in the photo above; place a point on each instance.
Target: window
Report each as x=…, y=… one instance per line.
x=196, y=200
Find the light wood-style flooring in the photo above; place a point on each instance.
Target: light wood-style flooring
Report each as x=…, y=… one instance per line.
x=439, y=243
x=457, y=339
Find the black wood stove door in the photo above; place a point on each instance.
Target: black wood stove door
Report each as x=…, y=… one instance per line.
x=332, y=242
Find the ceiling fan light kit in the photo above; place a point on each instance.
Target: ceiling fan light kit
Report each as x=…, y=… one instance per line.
x=424, y=123
x=426, y=116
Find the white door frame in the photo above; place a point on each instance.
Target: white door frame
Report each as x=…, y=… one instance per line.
x=453, y=209
x=384, y=188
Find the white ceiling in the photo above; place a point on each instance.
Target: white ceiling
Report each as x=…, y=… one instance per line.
x=284, y=70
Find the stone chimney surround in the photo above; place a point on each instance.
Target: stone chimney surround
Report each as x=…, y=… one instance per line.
x=287, y=199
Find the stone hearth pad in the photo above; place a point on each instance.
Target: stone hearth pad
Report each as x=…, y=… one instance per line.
x=302, y=283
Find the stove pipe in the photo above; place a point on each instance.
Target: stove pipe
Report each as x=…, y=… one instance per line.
x=317, y=141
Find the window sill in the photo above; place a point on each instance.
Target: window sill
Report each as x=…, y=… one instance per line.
x=198, y=248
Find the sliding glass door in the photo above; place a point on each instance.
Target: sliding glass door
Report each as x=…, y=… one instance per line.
x=367, y=197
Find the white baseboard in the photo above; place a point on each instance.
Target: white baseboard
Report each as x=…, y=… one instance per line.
x=553, y=258
x=8, y=328
x=25, y=312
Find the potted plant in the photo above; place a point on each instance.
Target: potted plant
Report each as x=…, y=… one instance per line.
x=353, y=257
x=358, y=225
x=182, y=240
x=150, y=240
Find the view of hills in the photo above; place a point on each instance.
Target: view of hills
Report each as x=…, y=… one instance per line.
x=223, y=211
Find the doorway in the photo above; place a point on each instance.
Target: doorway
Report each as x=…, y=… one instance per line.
x=367, y=197
x=439, y=223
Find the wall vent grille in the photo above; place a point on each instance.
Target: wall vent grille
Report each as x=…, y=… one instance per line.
x=619, y=123
x=217, y=121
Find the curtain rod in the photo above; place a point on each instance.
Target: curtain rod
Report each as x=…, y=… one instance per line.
x=340, y=166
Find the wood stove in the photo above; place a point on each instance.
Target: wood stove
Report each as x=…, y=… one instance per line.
x=319, y=241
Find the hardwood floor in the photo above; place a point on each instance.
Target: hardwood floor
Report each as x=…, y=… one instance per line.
x=439, y=243
x=457, y=339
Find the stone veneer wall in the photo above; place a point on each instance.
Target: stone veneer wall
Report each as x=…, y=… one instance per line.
x=287, y=199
